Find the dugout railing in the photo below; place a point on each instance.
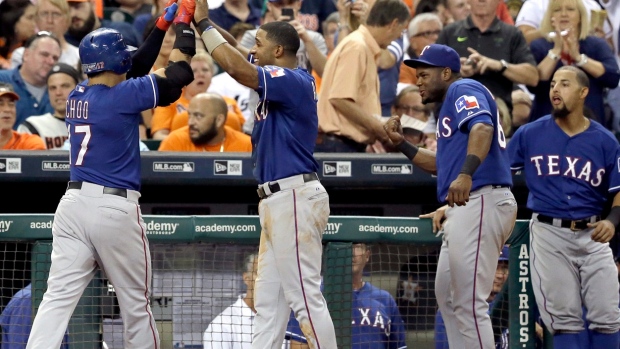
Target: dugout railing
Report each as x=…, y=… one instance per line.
x=196, y=274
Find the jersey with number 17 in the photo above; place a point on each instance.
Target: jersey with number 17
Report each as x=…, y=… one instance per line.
x=467, y=103
x=103, y=124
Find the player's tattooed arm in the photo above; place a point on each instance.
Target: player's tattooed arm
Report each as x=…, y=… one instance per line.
x=605, y=230
x=423, y=158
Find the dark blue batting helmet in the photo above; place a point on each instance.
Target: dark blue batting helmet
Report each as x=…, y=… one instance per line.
x=104, y=50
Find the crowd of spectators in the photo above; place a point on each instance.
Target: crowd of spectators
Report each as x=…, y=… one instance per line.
x=512, y=47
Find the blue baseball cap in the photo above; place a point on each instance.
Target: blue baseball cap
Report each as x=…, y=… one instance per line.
x=504, y=254
x=437, y=55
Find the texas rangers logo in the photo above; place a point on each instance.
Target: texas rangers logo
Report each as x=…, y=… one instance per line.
x=466, y=102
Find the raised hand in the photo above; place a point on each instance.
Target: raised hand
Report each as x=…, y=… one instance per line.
x=394, y=130
x=202, y=10
x=186, y=12
x=165, y=20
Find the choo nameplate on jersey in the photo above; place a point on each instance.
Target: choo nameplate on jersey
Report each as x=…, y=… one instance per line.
x=173, y=167
x=227, y=167
x=10, y=165
x=337, y=168
x=391, y=169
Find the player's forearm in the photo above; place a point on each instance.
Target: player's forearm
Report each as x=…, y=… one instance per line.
x=423, y=158
x=426, y=160
x=229, y=38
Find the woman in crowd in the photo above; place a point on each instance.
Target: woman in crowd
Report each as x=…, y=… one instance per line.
x=569, y=42
x=17, y=24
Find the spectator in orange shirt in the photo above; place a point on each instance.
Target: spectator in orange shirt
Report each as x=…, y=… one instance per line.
x=10, y=139
x=206, y=129
x=170, y=118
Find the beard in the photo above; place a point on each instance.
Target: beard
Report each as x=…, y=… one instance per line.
x=560, y=113
x=81, y=32
x=207, y=136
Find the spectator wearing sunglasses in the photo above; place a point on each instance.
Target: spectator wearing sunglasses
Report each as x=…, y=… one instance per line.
x=30, y=78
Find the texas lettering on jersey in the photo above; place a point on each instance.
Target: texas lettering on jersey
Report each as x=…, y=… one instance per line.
x=374, y=320
x=550, y=165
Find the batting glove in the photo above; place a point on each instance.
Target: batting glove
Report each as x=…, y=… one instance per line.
x=165, y=20
x=186, y=12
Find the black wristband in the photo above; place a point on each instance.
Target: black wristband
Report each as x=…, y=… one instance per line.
x=186, y=39
x=204, y=24
x=408, y=149
x=470, y=165
x=614, y=216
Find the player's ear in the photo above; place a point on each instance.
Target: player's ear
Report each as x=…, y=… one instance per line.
x=446, y=74
x=584, y=92
x=279, y=51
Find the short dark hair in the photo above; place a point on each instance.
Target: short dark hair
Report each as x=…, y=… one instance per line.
x=383, y=12
x=283, y=34
x=582, y=78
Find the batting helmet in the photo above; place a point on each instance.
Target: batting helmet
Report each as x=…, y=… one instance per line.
x=104, y=50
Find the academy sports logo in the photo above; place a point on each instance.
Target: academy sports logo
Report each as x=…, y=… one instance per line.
x=55, y=165
x=10, y=165
x=337, y=168
x=173, y=167
x=227, y=167
x=391, y=169
x=466, y=102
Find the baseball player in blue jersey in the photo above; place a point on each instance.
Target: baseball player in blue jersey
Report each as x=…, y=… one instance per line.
x=98, y=222
x=473, y=177
x=571, y=166
x=375, y=320
x=294, y=205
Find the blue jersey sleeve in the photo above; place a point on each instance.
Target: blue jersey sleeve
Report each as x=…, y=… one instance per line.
x=472, y=106
x=281, y=85
x=614, y=170
x=138, y=94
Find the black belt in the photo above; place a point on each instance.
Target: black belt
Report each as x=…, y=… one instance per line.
x=106, y=190
x=274, y=187
x=567, y=223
